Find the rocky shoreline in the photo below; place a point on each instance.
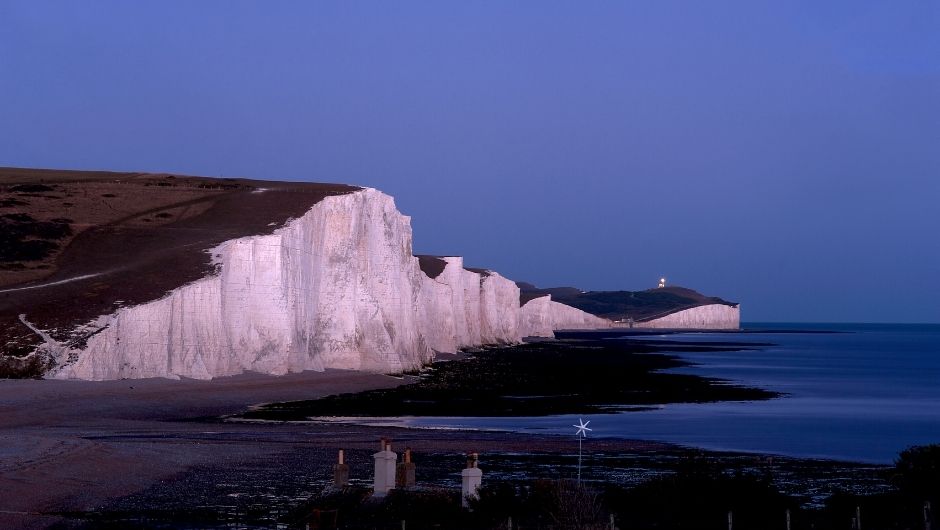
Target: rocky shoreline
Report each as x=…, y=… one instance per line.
x=582, y=374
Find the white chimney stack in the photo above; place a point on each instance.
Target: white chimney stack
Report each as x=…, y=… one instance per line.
x=471, y=478
x=384, y=469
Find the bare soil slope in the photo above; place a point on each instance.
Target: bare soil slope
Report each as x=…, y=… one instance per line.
x=77, y=244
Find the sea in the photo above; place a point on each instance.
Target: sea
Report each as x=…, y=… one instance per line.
x=851, y=392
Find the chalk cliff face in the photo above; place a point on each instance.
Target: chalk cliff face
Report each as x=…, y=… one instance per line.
x=713, y=316
x=336, y=288
x=461, y=308
x=540, y=317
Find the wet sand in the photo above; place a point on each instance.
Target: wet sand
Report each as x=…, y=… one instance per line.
x=75, y=446
x=71, y=445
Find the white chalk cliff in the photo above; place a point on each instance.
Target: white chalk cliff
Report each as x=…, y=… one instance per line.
x=711, y=316
x=336, y=288
x=461, y=308
x=540, y=317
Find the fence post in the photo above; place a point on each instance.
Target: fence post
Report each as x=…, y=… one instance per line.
x=730, y=520
x=788, y=519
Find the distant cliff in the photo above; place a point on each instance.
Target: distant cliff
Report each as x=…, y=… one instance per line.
x=666, y=307
x=711, y=316
x=541, y=317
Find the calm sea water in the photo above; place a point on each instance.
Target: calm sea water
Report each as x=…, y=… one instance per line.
x=862, y=394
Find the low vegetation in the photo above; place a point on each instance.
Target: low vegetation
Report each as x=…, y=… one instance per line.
x=23, y=238
x=28, y=367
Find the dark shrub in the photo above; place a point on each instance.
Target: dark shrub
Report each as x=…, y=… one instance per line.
x=32, y=367
x=32, y=250
x=8, y=203
x=23, y=238
x=31, y=188
x=918, y=472
x=700, y=496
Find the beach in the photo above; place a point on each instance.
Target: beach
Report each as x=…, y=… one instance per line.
x=81, y=454
x=71, y=445
x=71, y=448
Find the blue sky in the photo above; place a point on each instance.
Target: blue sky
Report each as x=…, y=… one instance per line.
x=781, y=154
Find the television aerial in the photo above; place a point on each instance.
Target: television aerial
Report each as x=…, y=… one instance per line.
x=581, y=434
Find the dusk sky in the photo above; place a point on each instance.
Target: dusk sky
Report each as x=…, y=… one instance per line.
x=785, y=155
